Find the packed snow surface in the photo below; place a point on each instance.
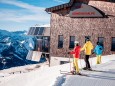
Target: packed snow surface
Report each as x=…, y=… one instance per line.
x=50, y=76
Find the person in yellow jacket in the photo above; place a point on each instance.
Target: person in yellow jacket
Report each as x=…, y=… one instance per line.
x=88, y=46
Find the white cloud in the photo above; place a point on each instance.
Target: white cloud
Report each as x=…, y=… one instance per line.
x=60, y=1
x=26, y=18
x=22, y=5
x=20, y=16
x=28, y=13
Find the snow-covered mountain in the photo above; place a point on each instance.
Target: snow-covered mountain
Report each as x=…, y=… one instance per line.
x=14, y=47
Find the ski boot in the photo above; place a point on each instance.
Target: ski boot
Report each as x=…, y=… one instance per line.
x=73, y=72
x=84, y=68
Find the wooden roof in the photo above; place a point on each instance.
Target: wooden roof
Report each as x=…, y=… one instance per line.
x=51, y=9
x=70, y=3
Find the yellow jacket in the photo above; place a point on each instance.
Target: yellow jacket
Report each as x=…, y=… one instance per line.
x=88, y=46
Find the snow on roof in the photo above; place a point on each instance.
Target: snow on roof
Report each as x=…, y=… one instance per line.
x=50, y=76
x=44, y=25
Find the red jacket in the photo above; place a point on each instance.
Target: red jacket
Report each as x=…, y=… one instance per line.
x=76, y=51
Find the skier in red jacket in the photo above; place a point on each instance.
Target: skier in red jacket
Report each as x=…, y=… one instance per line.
x=76, y=56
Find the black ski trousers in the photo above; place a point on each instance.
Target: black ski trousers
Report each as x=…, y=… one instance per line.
x=87, y=61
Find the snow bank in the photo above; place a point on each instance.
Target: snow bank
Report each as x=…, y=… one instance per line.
x=95, y=78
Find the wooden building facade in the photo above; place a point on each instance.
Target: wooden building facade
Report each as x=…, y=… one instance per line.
x=78, y=20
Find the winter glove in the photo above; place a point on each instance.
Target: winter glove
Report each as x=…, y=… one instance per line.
x=100, y=48
x=92, y=52
x=68, y=52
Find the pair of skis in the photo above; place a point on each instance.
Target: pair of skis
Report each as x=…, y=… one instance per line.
x=95, y=70
x=80, y=74
x=72, y=73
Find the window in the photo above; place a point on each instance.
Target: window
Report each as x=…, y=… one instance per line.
x=101, y=40
x=60, y=41
x=31, y=31
x=111, y=0
x=36, y=30
x=72, y=40
x=45, y=44
x=113, y=44
x=40, y=32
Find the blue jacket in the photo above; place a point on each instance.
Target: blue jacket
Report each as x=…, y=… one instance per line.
x=98, y=50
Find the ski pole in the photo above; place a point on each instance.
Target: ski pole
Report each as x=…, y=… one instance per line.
x=80, y=62
x=70, y=63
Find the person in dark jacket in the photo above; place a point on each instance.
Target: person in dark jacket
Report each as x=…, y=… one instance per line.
x=98, y=50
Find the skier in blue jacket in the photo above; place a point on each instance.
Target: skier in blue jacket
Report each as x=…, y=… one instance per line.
x=98, y=50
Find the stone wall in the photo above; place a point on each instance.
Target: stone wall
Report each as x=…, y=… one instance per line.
x=62, y=24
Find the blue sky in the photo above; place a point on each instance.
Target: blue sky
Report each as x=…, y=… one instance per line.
x=22, y=14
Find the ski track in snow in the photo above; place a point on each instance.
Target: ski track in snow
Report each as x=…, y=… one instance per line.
x=95, y=78
x=60, y=80
x=50, y=76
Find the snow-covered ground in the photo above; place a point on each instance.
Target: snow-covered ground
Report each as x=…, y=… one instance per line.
x=50, y=76
x=105, y=77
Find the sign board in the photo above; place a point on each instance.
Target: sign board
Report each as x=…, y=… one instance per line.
x=84, y=10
